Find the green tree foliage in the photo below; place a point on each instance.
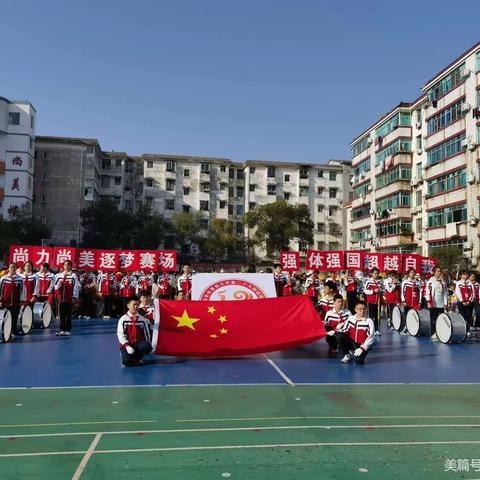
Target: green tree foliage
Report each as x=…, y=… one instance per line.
x=186, y=228
x=449, y=258
x=220, y=239
x=277, y=224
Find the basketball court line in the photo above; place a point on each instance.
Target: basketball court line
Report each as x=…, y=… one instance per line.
x=87, y=456
x=238, y=429
x=279, y=371
x=248, y=446
x=66, y=424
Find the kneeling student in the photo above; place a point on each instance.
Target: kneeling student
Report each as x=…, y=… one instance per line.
x=356, y=335
x=133, y=333
x=333, y=318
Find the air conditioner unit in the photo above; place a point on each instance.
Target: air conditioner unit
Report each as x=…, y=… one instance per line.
x=362, y=244
x=369, y=141
x=466, y=73
x=471, y=178
x=362, y=197
x=419, y=209
x=353, y=180
x=368, y=236
x=369, y=188
x=467, y=247
x=413, y=210
x=418, y=125
x=464, y=144
x=472, y=146
x=413, y=182
x=419, y=151
x=382, y=165
x=466, y=107
x=428, y=103
x=419, y=236
x=362, y=175
x=372, y=212
x=451, y=230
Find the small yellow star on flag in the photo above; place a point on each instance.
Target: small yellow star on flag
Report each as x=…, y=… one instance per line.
x=223, y=331
x=185, y=320
x=211, y=310
x=222, y=319
x=213, y=336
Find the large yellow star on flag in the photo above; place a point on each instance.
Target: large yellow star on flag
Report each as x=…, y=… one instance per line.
x=185, y=320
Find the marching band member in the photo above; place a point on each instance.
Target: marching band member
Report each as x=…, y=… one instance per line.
x=392, y=292
x=327, y=301
x=146, y=309
x=133, y=332
x=373, y=288
x=67, y=290
x=411, y=292
x=12, y=294
x=464, y=294
x=185, y=281
x=356, y=335
x=351, y=289
x=279, y=279
x=106, y=287
x=165, y=287
x=44, y=285
x=127, y=289
x=476, y=298
x=437, y=298
x=145, y=282
x=333, y=318
x=312, y=286
x=29, y=282
x=289, y=287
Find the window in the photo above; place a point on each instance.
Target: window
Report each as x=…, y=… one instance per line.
x=128, y=205
x=252, y=170
x=320, y=190
x=223, y=204
x=396, y=227
x=332, y=211
x=401, y=145
x=398, y=173
x=360, y=212
x=397, y=200
x=445, y=117
x=332, y=176
x=287, y=178
x=401, y=118
x=271, y=172
x=105, y=181
x=30, y=142
x=320, y=208
x=223, y=186
x=204, y=167
x=445, y=150
x=361, y=190
x=334, y=229
x=362, y=167
x=186, y=172
x=240, y=175
x=231, y=173
x=87, y=192
x=231, y=191
x=419, y=142
x=149, y=164
x=204, y=223
x=302, y=246
x=239, y=228
x=360, y=235
x=118, y=162
x=223, y=168
x=447, y=182
x=205, y=187
x=169, y=204
x=43, y=220
x=45, y=177
x=478, y=61
x=170, y=166
x=106, y=163
x=359, y=147
x=252, y=187
x=204, y=205
x=447, y=83
x=13, y=118
x=240, y=192
x=304, y=173
x=230, y=209
x=149, y=182
x=239, y=210
x=118, y=180
x=332, y=193
x=320, y=174
x=271, y=189
x=418, y=197
x=32, y=122
x=442, y=216
x=321, y=227
x=304, y=191
x=252, y=205
x=286, y=196
x=149, y=201
x=186, y=208
x=419, y=225
x=29, y=183
x=186, y=191
x=91, y=149
x=170, y=184
x=321, y=245
x=419, y=115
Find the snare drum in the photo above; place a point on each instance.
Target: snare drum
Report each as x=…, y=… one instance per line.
x=398, y=318
x=451, y=328
x=25, y=319
x=418, y=322
x=42, y=314
x=5, y=325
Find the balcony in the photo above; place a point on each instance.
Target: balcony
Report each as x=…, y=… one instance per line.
x=401, y=131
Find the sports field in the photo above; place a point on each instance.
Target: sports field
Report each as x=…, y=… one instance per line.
x=294, y=414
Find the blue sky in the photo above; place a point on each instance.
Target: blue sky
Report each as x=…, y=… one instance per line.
x=247, y=79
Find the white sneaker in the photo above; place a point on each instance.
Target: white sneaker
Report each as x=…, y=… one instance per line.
x=469, y=334
x=67, y=334
x=347, y=358
x=434, y=338
x=87, y=318
x=377, y=333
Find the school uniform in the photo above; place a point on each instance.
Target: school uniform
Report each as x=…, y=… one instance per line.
x=133, y=331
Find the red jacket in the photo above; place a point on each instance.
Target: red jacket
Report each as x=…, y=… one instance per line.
x=44, y=287
x=164, y=285
x=392, y=291
x=67, y=287
x=106, y=283
x=185, y=284
x=128, y=286
x=411, y=293
x=11, y=290
x=373, y=290
x=29, y=281
x=476, y=290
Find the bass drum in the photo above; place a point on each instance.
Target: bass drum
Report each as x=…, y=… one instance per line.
x=398, y=318
x=25, y=320
x=42, y=314
x=5, y=325
x=451, y=328
x=418, y=322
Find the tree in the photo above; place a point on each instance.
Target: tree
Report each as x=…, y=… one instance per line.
x=186, y=231
x=279, y=223
x=220, y=239
x=450, y=258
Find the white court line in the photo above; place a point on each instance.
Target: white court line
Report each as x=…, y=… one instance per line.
x=113, y=422
x=318, y=418
x=239, y=447
x=240, y=429
x=86, y=457
x=279, y=371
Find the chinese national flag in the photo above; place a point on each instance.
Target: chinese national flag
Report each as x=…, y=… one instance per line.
x=219, y=329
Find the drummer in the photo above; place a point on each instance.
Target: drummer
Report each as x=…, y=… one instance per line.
x=411, y=294
x=12, y=294
x=465, y=296
x=392, y=292
x=476, y=297
x=437, y=299
x=44, y=285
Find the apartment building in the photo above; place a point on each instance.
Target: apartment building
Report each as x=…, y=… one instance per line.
x=17, y=140
x=415, y=171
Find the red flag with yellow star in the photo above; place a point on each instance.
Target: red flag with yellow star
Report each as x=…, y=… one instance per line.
x=205, y=328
